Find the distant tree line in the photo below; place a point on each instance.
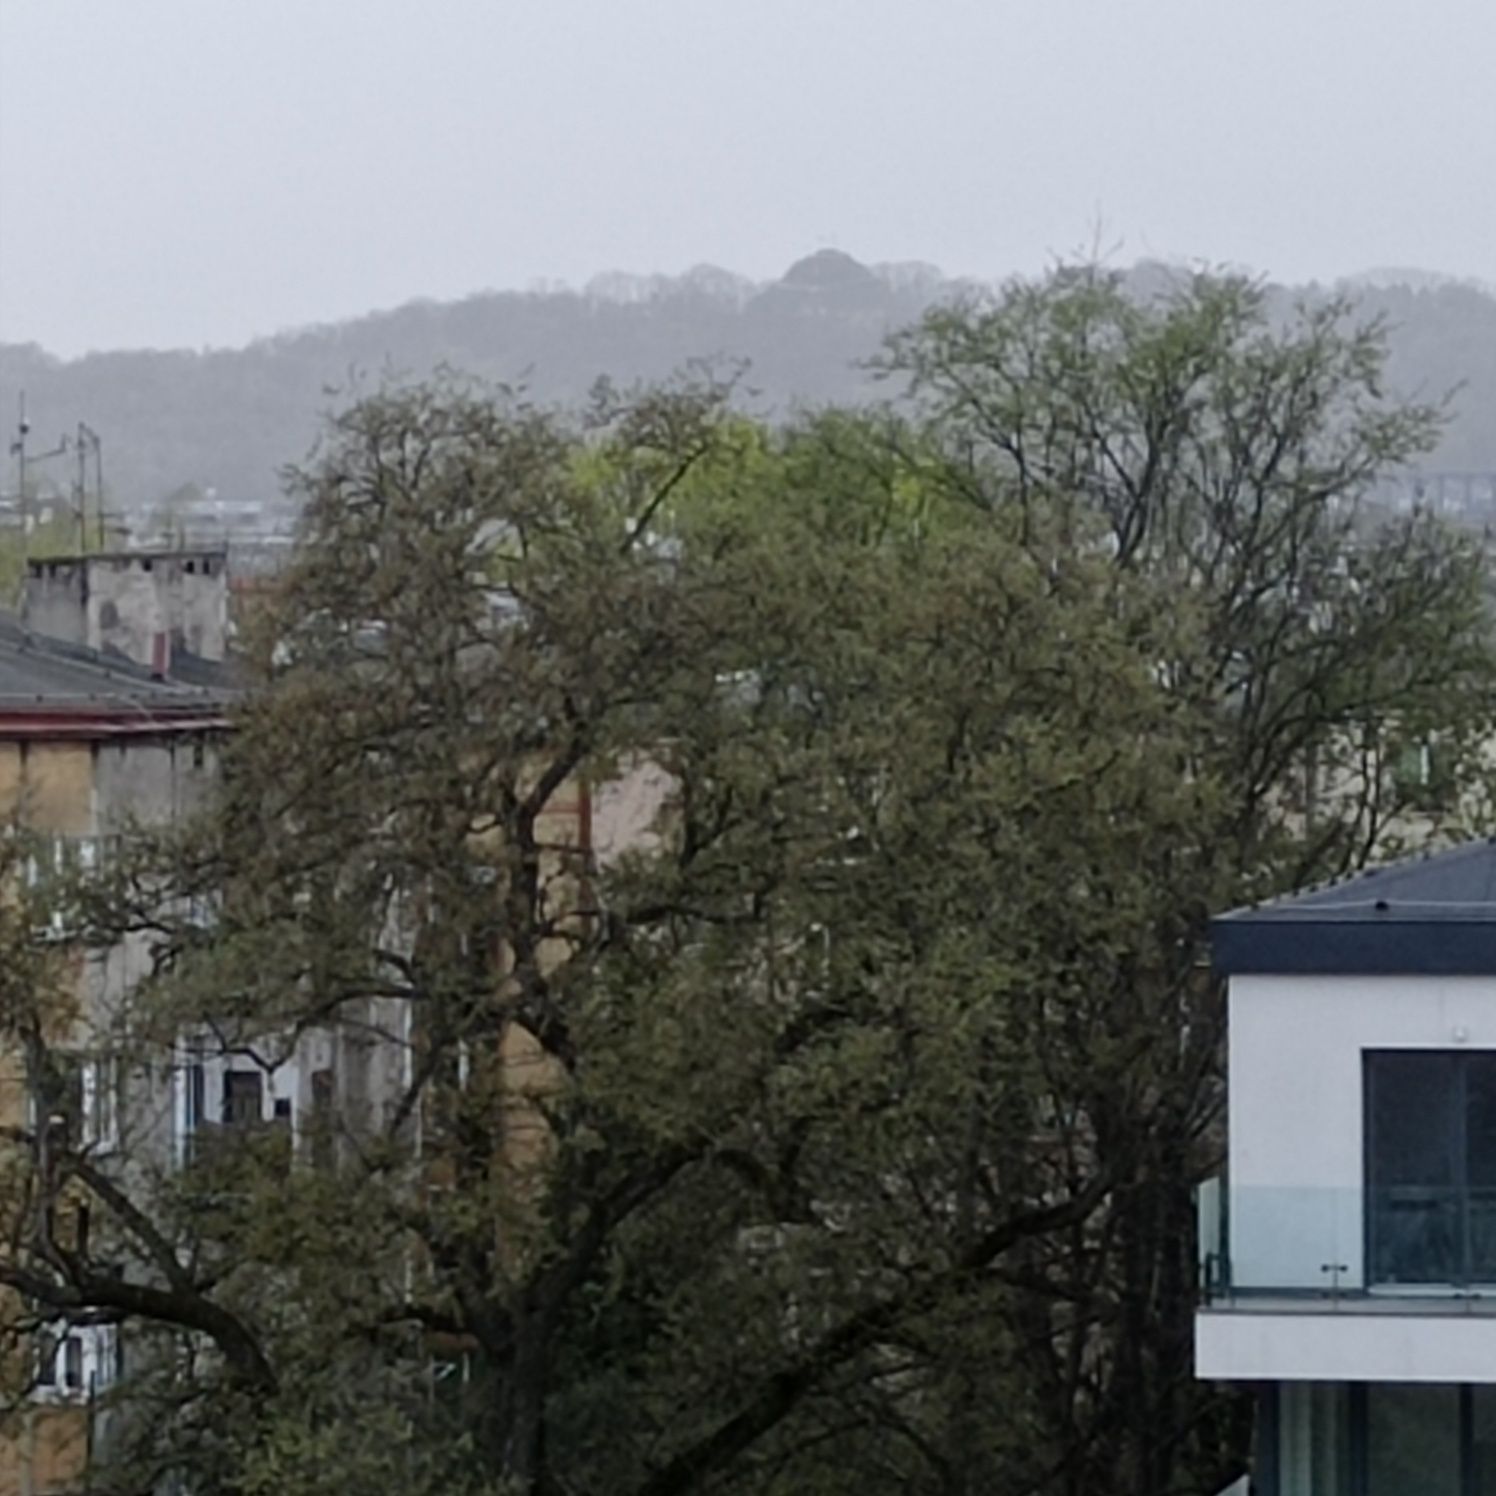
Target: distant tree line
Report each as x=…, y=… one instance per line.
x=228, y=419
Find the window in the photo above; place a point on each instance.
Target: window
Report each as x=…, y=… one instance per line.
x=243, y=1098
x=195, y=1105
x=56, y=1100
x=1412, y=1439
x=1431, y=1166
x=48, y=869
x=72, y=1362
x=1422, y=777
x=101, y=1102
x=79, y=1095
x=1482, y=1457
x=1416, y=1440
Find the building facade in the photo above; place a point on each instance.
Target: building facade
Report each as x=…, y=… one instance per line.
x=1349, y=1254
x=89, y=743
x=92, y=740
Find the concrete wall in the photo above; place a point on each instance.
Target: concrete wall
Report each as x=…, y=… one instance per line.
x=152, y=781
x=124, y=602
x=64, y=788
x=1296, y=1122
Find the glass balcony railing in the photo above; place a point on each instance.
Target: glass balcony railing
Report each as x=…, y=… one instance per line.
x=1332, y=1243
x=1426, y=1235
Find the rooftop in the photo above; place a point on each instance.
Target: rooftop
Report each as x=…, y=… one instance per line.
x=1434, y=914
x=48, y=687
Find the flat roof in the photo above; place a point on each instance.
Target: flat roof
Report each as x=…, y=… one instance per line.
x=1434, y=914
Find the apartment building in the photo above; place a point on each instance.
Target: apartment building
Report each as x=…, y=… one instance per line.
x=116, y=716
x=1349, y=1253
x=90, y=740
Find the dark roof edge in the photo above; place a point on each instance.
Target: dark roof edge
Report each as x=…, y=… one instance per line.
x=1339, y=947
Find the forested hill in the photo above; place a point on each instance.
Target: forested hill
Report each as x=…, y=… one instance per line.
x=228, y=419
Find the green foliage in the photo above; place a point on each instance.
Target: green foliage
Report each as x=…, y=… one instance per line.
x=58, y=537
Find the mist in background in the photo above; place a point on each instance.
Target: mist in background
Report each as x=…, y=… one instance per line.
x=184, y=173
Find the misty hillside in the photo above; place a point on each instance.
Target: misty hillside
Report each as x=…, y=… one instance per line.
x=229, y=419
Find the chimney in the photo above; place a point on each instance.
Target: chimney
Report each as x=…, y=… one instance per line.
x=160, y=654
x=124, y=602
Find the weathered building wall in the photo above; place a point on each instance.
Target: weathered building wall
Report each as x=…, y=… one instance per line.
x=626, y=810
x=46, y=1453
x=48, y=786
x=87, y=789
x=152, y=780
x=76, y=789
x=55, y=602
x=126, y=602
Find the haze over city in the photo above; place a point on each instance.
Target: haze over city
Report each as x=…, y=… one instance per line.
x=195, y=172
x=747, y=749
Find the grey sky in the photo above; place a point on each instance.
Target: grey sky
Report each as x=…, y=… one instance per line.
x=202, y=171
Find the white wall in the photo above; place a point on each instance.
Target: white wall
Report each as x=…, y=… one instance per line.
x=1253, y=1345
x=1296, y=1116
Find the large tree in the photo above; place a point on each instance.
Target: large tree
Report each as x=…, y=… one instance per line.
x=1224, y=447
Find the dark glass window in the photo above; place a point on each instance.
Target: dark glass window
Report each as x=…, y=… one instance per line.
x=72, y=1363
x=1412, y=1440
x=1431, y=1166
x=59, y=1094
x=243, y=1093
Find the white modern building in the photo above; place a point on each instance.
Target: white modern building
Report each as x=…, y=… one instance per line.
x=1349, y=1253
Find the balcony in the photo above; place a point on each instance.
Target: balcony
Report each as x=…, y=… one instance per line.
x=1306, y=1284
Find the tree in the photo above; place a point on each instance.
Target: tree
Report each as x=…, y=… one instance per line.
x=1223, y=448
x=781, y=1054
x=834, y=1131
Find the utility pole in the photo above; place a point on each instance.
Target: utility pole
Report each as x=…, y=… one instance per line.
x=98, y=451
x=80, y=491
x=18, y=451
x=23, y=462
x=88, y=441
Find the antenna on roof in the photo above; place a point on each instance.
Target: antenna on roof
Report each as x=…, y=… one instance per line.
x=18, y=451
x=89, y=442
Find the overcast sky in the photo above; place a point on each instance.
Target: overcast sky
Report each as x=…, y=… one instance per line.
x=191, y=172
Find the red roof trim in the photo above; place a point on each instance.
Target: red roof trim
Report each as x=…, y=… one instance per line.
x=111, y=724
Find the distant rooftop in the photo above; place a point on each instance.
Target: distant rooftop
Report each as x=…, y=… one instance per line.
x=48, y=687
x=1433, y=914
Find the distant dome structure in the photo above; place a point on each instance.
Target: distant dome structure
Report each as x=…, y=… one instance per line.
x=827, y=283
x=828, y=269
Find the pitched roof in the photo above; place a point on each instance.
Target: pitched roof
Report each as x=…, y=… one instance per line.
x=1434, y=914
x=52, y=688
